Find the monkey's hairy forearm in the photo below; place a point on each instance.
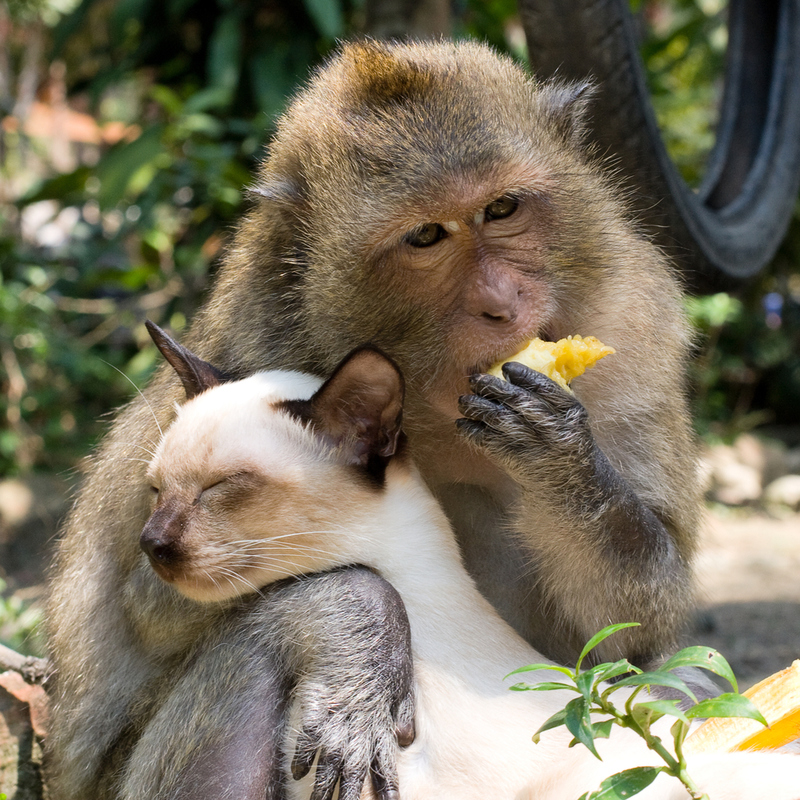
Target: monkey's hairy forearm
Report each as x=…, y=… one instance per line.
x=220, y=728
x=601, y=555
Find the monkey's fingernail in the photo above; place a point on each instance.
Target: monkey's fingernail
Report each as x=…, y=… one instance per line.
x=406, y=734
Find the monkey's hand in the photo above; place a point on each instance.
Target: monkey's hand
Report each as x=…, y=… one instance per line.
x=537, y=430
x=355, y=694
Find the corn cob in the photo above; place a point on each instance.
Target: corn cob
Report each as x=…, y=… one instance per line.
x=777, y=698
x=562, y=360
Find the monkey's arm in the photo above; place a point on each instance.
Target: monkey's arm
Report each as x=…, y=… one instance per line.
x=601, y=554
x=211, y=736
x=346, y=637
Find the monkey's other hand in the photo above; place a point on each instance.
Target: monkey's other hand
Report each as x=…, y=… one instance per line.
x=532, y=426
x=356, y=699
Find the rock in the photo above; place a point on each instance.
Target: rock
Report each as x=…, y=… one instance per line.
x=730, y=481
x=784, y=491
x=766, y=456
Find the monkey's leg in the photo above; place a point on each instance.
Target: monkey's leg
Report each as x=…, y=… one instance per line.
x=595, y=543
x=220, y=731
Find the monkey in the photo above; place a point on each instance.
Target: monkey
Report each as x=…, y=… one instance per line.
x=272, y=476
x=433, y=199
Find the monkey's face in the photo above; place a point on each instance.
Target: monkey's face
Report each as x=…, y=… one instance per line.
x=479, y=273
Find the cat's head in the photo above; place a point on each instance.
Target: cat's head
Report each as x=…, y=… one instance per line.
x=258, y=479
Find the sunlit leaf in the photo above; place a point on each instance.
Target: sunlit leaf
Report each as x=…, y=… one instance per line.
x=602, y=635
x=579, y=723
x=652, y=710
x=544, y=686
x=624, y=784
x=657, y=679
x=537, y=667
x=703, y=657
x=556, y=721
x=726, y=705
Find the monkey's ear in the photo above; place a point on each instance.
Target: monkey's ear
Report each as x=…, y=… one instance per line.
x=567, y=107
x=360, y=407
x=196, y=375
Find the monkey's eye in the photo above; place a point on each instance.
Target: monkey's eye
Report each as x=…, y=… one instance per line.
x=502, y=207
x=426, y=235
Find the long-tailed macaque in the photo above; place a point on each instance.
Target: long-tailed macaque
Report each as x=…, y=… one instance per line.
x=436, y=201
x=276, y=475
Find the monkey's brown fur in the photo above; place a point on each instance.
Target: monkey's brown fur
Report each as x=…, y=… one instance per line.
x=385, y=139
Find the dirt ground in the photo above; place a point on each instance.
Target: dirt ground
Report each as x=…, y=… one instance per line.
x=748, y=577
x=748, y=574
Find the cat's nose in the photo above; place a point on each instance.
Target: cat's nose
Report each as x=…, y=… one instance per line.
x=161, y=552
x=161, y=538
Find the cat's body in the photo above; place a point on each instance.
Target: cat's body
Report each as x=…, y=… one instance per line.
x=253, y=488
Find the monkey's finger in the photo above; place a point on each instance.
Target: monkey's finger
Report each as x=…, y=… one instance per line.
x=480, y=409
x=351, y=783
x=539, y=384
x=404, y=721
x=384, y=778
x=305, y=751
x=329, y=768
x=476, y=432
x=511, y=396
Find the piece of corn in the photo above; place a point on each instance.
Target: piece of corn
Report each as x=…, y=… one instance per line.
x=562, y=360
x=777, y=698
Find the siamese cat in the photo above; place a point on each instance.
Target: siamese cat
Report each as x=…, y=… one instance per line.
x=282, y=475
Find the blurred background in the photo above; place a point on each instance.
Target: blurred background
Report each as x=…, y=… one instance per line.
x=129, y=130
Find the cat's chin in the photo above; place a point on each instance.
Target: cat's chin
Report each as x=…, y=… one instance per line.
x=210, y=590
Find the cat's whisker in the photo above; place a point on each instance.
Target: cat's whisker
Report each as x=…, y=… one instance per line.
x=141, y=394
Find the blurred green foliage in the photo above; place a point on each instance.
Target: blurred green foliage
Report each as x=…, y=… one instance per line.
x=132, y=228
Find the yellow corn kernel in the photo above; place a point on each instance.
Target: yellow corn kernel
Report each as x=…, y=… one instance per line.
x=562, y=360
x=777, y=698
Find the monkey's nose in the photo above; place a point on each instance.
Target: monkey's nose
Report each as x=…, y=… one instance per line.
x=503, y=317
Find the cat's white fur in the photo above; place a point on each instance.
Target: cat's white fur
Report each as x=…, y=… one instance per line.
x=306, y=512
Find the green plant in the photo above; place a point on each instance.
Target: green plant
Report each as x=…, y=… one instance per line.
x=19, y=623
x=594, y=697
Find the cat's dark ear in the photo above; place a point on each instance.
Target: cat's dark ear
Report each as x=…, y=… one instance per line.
x=196, y=375
x=360, y=407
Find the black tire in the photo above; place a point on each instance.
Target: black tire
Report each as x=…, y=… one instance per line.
x=731, y=227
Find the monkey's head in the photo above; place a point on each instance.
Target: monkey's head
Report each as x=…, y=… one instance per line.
x=436, y=201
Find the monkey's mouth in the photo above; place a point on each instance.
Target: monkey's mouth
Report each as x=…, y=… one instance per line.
x=511, y=350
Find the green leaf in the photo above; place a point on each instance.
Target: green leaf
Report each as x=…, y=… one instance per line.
x=705, y=658
x=536, y=667
x=602, y=730
x=327, y=17
x=649, y=711
x=544, y=686
x=556, y=721
x=726, y=705
x=624, y=784
x=657, y=679
x=579, y=723
x=601, y=636
x=61, y=187
x=585, y=683
x=225, y=53
x=120, y=164
x=604, y=672
x=679, y=730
